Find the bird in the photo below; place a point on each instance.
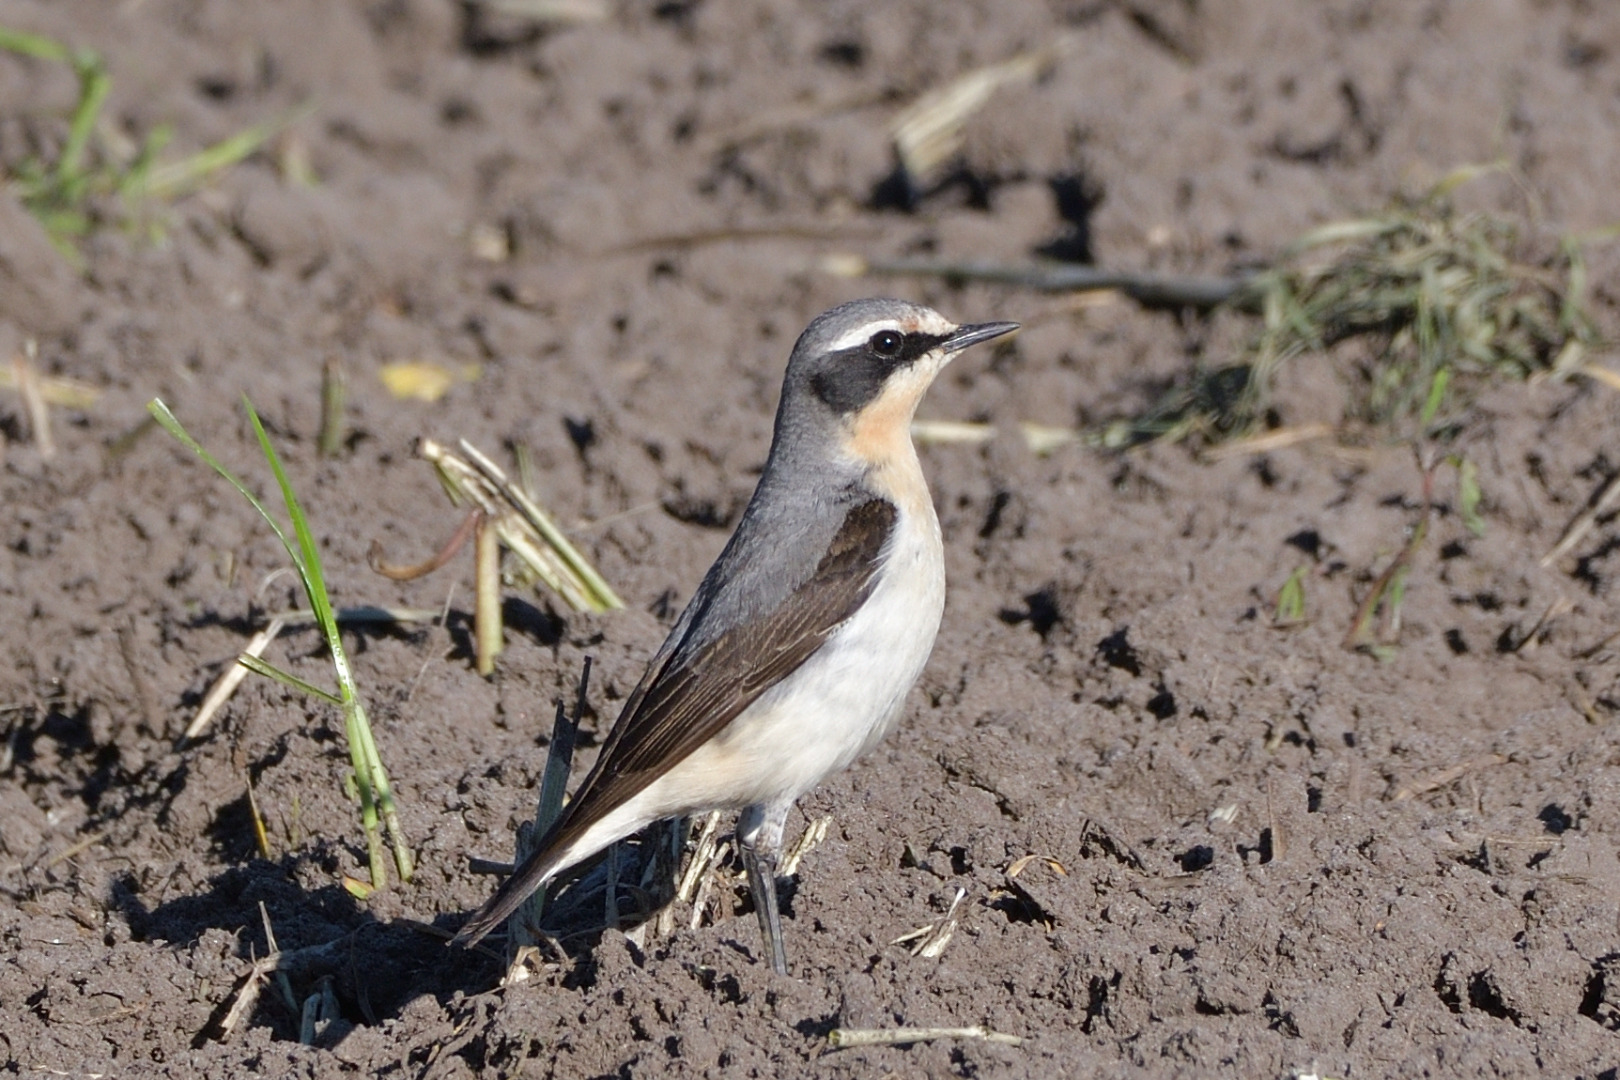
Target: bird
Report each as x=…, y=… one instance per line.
x=798, y=648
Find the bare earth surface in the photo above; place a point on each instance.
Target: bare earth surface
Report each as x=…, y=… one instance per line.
x=1276, y=854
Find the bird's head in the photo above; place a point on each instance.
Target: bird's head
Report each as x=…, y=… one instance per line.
x=868, y=363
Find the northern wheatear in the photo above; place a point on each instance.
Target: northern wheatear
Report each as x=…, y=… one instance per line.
x=797, y=650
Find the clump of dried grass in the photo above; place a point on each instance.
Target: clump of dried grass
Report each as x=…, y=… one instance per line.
x=1444, y=299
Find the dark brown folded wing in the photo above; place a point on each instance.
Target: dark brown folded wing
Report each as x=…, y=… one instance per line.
x=694, y=693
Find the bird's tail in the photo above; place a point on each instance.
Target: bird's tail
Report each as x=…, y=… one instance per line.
x=544, y=862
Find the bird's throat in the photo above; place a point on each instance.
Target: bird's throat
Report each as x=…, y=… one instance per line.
x=879, y=439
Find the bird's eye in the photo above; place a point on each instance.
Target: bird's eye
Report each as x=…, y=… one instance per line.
x=886, y=343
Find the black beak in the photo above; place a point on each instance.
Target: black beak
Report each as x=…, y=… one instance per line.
x=975, y=333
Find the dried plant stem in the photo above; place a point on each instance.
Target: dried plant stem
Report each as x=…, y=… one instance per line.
x=33, y=395
x=924, y=432
x=246, y=995
x=1436, y=780
x=845, y=1038
x=706, y=849
x=1583, y=523
x=334, y=389
x=75, y=848
x=1598, y=373
x=261, y=836
x=287, y=995
x=228, y=681
x=55, y=389
x=1271, y=440
x=928, y=132
x=809, y=840
x=487, y=601
x=523, y=928
x=930, y=940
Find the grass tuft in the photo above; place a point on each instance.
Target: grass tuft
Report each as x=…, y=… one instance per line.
x=369, y=778
x=1445, y=300
x=61, y=194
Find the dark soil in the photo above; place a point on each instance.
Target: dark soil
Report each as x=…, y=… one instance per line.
x=1277, y=854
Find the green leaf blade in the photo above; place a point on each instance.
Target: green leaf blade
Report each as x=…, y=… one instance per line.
x=287, y=678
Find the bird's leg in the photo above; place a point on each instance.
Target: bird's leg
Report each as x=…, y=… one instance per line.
x=762, y=883
x=759, y=835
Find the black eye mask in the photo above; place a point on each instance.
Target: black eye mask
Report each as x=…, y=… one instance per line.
x=852, y=378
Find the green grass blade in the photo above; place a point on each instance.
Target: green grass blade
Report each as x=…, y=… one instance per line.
x=308, y=554
x=287, y=678
x=166, y=419
x=94, y=85
x=1469, y=497
x=136, y=180
x=179, y=177
x=1291, y=599
x=1437, y=395
x=35, y=45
